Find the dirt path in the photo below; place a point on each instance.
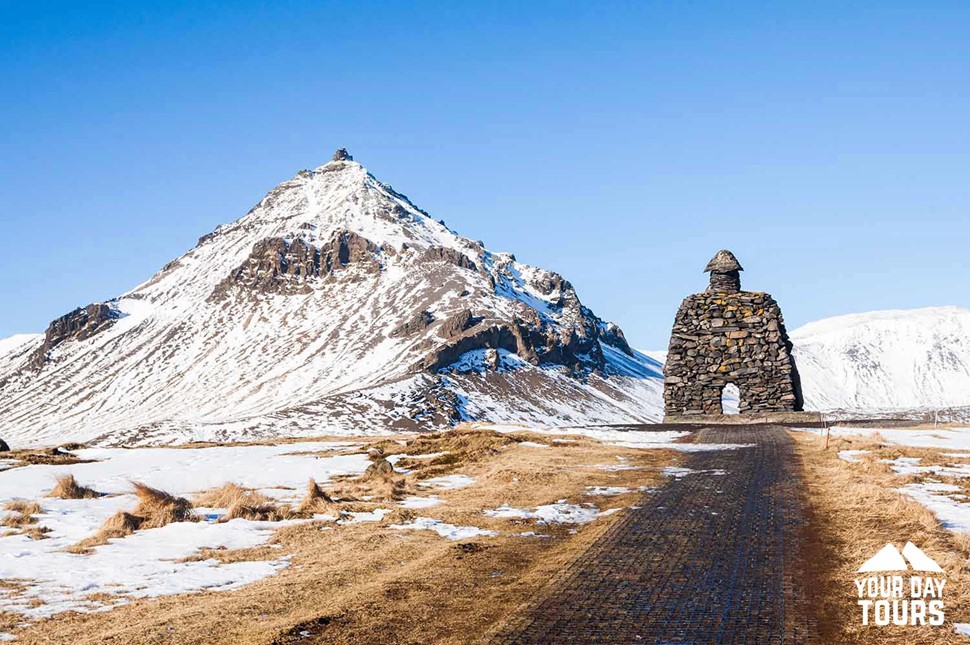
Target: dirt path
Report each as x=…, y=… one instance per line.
x=713, y=557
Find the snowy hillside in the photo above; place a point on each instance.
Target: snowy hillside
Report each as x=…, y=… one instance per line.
x=886, y=360
x=335, y=306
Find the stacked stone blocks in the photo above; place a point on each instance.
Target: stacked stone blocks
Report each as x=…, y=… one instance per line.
x=724, y=336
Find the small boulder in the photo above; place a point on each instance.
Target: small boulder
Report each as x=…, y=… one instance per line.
x=379, y=468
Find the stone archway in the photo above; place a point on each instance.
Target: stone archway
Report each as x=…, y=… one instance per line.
x=731, y=399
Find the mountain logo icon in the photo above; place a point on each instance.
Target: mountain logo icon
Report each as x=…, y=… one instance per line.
x=890, y=559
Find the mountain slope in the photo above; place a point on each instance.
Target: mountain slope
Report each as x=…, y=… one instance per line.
x=886, y=360
x=334, y=306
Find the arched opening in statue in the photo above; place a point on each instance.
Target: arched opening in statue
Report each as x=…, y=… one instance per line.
x=730, y=399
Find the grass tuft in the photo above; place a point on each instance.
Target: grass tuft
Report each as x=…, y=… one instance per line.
x=23, y=507
x=68, y=488
x=316, y=500
x=158, y=508
x=259, y=512
x=228, y=496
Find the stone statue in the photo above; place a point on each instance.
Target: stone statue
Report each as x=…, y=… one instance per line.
x=724, y=335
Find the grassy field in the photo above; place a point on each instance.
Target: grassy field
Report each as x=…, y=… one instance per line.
x=855, y=510
x=367, y=582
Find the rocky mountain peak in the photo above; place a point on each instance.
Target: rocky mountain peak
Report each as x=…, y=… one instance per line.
x=342, y=155
x=335, y=302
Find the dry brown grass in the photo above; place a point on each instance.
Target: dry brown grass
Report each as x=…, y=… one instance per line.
x=316, y=501
x=37, y=532
x=248, y=504
x=228, y=495
x=466, y=444
x=158, y=508
x=855, y=511
x=121, y=524
x=117, y=526
x=388, y=489
x=259, y=512
x=23, y=507
x=365, y=583
x=379, y=483
x=68, y=488
x=155, y=509
x=51, y=457
x=17, y=521
x=21, y=514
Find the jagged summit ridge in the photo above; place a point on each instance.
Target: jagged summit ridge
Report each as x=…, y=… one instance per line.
x=334, y=303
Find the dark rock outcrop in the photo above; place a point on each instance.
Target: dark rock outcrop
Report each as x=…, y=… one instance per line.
x=279, y=265
x=342, y=155
x=612, y=335
x=440, y=405
x=531, y=339
x=413, y=325
x=3, y=446
x=724, y=336
x=486, y=335
x=456, y=323
x=451, y=256
x=80, y=324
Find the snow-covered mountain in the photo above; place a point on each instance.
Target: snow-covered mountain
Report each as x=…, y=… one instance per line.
x=334, y=306
x=886, y=360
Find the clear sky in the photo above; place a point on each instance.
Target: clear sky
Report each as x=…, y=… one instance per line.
x=619, y=143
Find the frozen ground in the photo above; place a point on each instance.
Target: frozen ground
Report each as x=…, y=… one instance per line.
x=656, y=439
x=946, y=500
x=448, y=531
x=946, y=438
x=47, y=579
x=150, y=563
x=558, y=513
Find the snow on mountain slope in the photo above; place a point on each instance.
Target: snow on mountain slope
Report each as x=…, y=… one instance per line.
x=886, y=360
x=334, y=306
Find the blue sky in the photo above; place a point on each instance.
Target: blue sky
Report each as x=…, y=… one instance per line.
x=619, y=143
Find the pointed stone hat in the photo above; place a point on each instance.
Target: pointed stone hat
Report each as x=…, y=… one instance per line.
x=723, y=262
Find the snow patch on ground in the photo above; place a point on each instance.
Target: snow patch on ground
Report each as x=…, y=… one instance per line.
x=952, y=514
x=276, y=468
x=607, y=491
x=944, y=500
x=448, y=482
x=625, y=438
x=146, y=563
x=420, y=502
x=558, y=513
x=852, y=456
x=142, y=565
x=368, y=516
x=449, y=531
x=948, y=438
x=677, y=471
